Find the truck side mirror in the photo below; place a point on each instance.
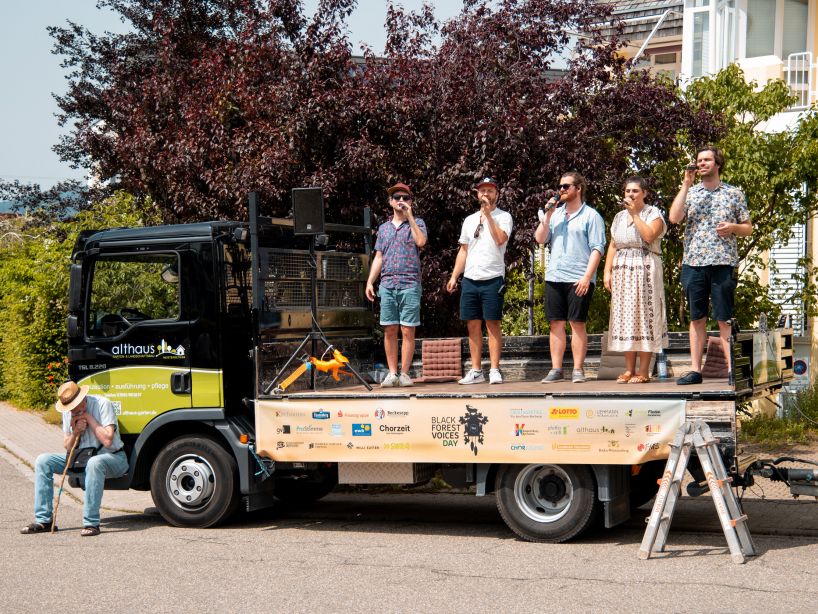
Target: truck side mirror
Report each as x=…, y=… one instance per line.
x=73, y=327
x=75, y=288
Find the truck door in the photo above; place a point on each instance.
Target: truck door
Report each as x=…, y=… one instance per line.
x=137, y=340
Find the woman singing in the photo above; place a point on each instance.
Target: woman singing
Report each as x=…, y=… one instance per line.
x=633, y=276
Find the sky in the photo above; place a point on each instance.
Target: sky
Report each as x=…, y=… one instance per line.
x=30, y=73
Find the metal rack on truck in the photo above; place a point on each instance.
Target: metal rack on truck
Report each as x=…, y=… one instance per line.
x=185, y=327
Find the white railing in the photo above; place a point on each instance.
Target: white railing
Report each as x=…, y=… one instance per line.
x=800, y=71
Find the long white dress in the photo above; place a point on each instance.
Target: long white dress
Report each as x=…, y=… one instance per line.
x=638, y=322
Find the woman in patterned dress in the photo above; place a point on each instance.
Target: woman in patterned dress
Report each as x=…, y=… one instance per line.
x=633, y=276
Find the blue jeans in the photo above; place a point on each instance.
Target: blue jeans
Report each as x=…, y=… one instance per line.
x=98, y=468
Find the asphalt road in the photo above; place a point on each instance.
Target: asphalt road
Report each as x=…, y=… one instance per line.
x=440, y=553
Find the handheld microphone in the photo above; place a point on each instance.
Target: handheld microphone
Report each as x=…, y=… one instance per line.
x=550, y=195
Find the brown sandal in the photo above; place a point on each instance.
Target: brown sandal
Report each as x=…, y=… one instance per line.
x=624, y=378
x=89, y=531
x=639, y=379
x=37, y=527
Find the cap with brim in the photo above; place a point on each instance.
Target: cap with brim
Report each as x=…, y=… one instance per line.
x=486, y=181
x=399, y=187
x=69, y=396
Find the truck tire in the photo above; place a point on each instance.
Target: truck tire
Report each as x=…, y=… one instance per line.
x=193, y=482
x=307, y=489
x=644, y=485
x=546, y=503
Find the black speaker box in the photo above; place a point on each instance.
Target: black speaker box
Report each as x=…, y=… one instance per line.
x=308, y=211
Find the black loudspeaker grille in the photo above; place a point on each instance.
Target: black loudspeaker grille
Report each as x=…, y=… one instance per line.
x=308, y=211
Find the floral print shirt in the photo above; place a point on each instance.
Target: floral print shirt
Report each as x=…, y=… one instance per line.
x=705, y=210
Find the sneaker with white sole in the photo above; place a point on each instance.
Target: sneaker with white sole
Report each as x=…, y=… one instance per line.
x=554, y=375
x=495, y=377
x=473, y=377
x=405, y=380
x=390, y=381
x=578, y=376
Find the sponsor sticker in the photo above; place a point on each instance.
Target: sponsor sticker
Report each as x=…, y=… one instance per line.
x=361, y=430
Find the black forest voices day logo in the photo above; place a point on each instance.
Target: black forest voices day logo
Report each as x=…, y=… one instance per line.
x=473, y=422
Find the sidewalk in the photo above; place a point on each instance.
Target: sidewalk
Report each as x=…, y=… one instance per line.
x=24, y=435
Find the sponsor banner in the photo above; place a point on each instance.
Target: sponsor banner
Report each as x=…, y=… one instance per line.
x=477, y=430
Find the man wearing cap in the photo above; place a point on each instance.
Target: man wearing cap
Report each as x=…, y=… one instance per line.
x=481, y=260
x=575, y=234
x=92, y=419
x=397, y=261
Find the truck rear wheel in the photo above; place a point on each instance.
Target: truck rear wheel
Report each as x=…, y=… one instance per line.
x=546, y=503
x=193, y=482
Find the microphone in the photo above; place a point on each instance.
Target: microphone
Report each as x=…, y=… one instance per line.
x=551, y=194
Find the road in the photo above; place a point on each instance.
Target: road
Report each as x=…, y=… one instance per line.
x=440, y=553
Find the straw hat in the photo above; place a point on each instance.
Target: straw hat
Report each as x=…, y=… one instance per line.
x=69, y=396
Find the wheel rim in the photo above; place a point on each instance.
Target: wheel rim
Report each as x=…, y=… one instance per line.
x=190, y=482
x=544, y=493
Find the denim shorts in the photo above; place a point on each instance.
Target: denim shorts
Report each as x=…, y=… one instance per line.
x=482, y=300
x=400, y=306
x=714, y=284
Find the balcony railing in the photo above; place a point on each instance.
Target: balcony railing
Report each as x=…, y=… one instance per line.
x=800, y=75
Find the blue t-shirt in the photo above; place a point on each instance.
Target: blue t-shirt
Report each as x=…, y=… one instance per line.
x=572, y=240
x=103, y=412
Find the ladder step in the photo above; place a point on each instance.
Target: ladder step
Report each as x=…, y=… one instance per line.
x=734, y=521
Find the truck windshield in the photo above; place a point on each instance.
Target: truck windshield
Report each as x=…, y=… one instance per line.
x=130, y=289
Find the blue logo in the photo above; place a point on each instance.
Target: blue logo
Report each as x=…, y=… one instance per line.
x=361, y=430
x=320, y=415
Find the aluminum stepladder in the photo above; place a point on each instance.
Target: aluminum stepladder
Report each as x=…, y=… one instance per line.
x=734, y=524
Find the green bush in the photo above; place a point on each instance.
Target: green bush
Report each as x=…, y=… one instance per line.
x=34, y=292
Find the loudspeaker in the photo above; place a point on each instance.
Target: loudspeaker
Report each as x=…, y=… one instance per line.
x=308, y=211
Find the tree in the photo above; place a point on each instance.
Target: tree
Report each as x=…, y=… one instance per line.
x=205, y=101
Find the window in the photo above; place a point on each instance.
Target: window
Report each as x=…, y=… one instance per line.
x=776, y=27
x=794, y=38
x=760, y=28
x=701, y=43
x=664, y=58
x=126, y=290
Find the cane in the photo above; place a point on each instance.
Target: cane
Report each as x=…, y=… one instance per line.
x=62, y=482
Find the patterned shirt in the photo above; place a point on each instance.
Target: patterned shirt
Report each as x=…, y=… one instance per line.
x=705, y=210
x=401, y=258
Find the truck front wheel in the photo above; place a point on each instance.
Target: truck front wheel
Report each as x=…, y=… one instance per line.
x=546, y=503
x=193, y=482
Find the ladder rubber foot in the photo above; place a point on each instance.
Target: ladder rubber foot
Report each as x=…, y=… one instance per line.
x=644, y=555
x=739, y=559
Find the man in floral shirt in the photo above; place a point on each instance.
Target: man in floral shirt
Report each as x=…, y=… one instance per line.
x=397, y=261
x=716, y=214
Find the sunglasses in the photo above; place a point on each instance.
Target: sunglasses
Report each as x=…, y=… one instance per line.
x=478, y=229
x=566, y=186
x=400, y=197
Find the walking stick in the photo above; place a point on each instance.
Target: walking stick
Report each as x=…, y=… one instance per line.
x=62, y=482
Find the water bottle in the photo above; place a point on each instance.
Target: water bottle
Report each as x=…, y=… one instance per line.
x=661, y=364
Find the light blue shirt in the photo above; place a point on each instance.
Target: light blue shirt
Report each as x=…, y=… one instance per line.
x=103, y=412
x=572, y=240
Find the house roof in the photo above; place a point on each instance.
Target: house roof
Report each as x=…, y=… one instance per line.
x=640, y=16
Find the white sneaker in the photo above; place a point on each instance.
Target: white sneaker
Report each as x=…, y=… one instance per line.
x=405, y=380
x=390, y=381
x=495, y=377
x=473, y=377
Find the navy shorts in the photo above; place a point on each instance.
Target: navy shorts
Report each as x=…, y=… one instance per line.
x=562, y=302
x=714, y=284
x=482, y=300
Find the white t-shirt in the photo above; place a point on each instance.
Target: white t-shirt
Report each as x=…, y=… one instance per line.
x=485, y=259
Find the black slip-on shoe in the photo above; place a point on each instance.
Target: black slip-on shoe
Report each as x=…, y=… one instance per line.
x=691, y=377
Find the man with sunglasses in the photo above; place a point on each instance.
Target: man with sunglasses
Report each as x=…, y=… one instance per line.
x=575, y=234
x=716, y=214
x=397, y=261
x=481, y=259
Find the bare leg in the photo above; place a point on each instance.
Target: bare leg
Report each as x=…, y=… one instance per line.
x=390, y=346
x=495, y=342
x=725, y=330
x=407, y=350
x=698, y=336
x=475, y=343
x=579, y=343
x=557, y=342
x=644, y=363
x=630, y=362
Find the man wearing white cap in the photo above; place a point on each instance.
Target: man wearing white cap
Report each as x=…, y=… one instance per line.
x=92, y=419
x=481, y=259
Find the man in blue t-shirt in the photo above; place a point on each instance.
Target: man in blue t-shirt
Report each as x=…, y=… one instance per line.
x=575, y=234
x=91, y=419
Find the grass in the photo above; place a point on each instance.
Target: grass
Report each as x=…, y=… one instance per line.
x=799, y=426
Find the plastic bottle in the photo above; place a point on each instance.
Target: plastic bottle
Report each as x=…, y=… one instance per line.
x=661, y=364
